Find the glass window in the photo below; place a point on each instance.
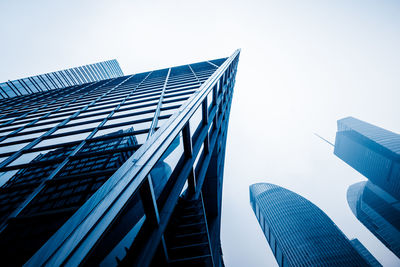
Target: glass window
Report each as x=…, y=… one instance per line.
x=26, y=158
x=210, y=99
x=168, y=112
x=194, y=122
x=22, y=137
x=161, y=122
x=127, y=119
x=171, y=104
x=133, y=113
x=39, y=127
x=5, y=176
x=199, y=161
x=162, y=170
x=119, y=250
x=12, y=148
x=78, y=127
x=138, y=106
x=141, y=138
x=63, y=139
x=96, y=117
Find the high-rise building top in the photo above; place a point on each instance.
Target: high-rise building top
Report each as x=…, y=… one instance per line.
x=298, y=232
x=61, y=79
x=126, y=170
x=378, y=211
x=372, y=151
x=384, y=138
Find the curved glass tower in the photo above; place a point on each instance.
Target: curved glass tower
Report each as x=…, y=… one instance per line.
x=378, y=211
x=298, y=232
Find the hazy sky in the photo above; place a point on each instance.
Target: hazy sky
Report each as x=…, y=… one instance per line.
x=304, y=65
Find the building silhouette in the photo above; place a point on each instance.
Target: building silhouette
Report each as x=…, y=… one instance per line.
x=122, y=171
x=61, y=79
x=378, y=211
x=298, y=232
x=372, y=151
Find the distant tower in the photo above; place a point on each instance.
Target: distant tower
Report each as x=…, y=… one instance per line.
x=298, y=232
x=378, y=211
x=372, y=151
x=61, y=79
x=365, y=253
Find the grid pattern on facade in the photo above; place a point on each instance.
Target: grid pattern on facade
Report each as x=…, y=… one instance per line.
x=378, y=211
x=177, y=156
x=372, y=151
x=384, y=138
x=298, y=232
x=58, y=147
x=61, y=79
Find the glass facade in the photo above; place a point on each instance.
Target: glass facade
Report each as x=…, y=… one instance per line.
x=95, y=174
x=378, y=211
x=372, y=151
x=61, y=79
x=298, y=232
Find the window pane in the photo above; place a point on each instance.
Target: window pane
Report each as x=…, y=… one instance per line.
x=163, y=169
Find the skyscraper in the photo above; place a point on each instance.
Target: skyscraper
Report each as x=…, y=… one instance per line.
x=298, y=232
x=378, y=211
x=365, y=253
x=61, y=79
x=372, y=151
x=127, y=170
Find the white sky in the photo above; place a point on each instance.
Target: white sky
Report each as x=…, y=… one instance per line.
x=304, y=64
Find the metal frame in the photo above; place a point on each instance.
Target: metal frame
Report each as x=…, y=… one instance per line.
x=37, y=121
x=80, y=233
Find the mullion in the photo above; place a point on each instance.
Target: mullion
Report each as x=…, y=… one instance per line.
x=56, y=171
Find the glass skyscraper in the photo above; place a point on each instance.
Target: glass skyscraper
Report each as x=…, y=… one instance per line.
x=372, y=151
x=378, y=211
x=298, y=232
x=375, y=153
x=61, y=79
x=122, y=171
x=365, y=253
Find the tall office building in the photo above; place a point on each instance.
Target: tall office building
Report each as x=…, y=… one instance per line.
x=298, y=232
x=372, y=151
x=123, y=171
x=378, y=211
x=61, y=79
x=365, y=253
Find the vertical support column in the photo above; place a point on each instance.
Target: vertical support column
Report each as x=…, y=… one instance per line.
x=192, y=183
x=187, y=141
x=158, y=109
x=205, y=124
x=188, y=148
x=149, y=202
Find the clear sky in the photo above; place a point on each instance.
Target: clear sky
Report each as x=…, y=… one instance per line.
x=303, y=66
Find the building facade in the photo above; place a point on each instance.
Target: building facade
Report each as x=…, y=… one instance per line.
x=123, y=171
x=372, y=151
x=298, y=232
x=61, y=79
x=378, y=211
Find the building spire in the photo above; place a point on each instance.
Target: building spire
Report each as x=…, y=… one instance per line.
x=324, y=139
